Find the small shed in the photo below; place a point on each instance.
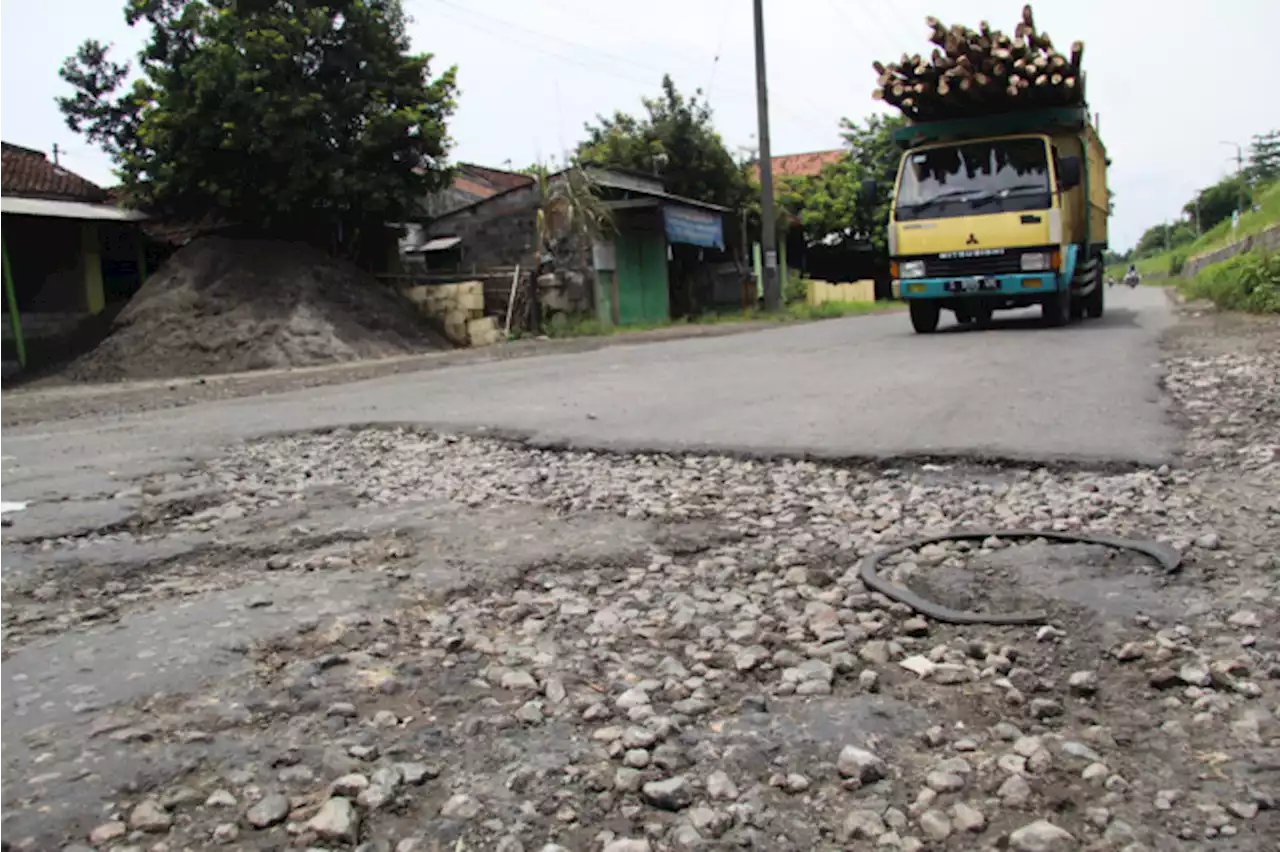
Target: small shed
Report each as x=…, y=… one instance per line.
x=662, y=246
x=68, y=251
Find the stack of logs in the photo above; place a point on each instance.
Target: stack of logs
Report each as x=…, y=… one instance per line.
x=982, y=72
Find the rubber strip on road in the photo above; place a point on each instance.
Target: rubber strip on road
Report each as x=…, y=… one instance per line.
x=1166, y=557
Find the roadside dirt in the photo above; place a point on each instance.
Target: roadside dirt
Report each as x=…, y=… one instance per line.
x=222, y=305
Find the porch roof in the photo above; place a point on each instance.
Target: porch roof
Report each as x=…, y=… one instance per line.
x=68, y=209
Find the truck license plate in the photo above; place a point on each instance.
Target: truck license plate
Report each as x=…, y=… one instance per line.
x=972, y=285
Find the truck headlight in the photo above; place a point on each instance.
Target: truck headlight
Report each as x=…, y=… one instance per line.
x=1035, y=261
x=911, y=269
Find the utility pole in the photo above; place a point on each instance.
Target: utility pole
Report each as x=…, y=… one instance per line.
x=768, y=223
x=1239, y=174
x=55, y=153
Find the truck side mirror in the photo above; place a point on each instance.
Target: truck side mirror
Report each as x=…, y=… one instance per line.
x=867, y=191
x=1069, y=172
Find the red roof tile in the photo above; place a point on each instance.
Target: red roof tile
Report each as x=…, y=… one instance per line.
x=801, y=165
x=27, y=172
x=498, y=178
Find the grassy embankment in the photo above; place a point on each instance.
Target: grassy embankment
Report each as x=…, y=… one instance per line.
x=1170, y=262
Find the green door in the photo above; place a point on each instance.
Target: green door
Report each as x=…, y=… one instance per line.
x=642, y=277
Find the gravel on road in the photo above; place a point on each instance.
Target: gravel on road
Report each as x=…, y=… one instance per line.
x=404, y=640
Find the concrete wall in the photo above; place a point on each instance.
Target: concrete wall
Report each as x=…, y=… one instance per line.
x=856, y=291
x=1268, y=240
x=460, y=310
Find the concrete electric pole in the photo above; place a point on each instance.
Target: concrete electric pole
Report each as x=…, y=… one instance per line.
x=1239, y=158
x=768, y=226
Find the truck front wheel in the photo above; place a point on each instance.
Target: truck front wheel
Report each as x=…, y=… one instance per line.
x=1056, y=308
x=924, y=316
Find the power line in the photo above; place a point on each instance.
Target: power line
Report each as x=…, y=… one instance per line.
x=450, y=10
x=715, y=61
x=545, y=35
x=892, y=11
x=857, y=29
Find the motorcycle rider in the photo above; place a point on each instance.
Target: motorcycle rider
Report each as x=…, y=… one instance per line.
x=1131, y=277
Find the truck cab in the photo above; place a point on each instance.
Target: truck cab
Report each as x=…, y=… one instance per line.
x=1000, y=212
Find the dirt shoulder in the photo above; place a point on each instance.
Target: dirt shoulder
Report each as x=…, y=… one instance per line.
x=57, y=399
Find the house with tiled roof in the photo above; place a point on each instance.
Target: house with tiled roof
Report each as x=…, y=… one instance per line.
x=68, y=252
x=809, y=164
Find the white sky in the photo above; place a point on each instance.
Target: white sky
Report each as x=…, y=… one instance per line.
x=532, y=71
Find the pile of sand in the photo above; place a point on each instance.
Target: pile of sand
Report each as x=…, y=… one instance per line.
x=221, y=305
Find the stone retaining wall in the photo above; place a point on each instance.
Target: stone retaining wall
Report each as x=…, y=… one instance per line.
x=1268, y=240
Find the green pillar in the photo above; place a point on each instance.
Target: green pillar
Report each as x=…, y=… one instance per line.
x=755, y=262
x=11, y=298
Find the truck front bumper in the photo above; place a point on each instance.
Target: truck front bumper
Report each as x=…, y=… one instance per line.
x=1014, y=284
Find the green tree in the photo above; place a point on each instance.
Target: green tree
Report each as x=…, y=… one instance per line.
x=825, y=204
x=676, y=141
x=1264, y=158
x=1216, y=203
x=1159, y=238
x=830, y=205
x=288, y=117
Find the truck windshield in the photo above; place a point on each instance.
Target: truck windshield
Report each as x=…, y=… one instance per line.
x=976, y=177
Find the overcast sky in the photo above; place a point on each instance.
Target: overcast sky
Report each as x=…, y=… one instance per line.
x=1172, y=80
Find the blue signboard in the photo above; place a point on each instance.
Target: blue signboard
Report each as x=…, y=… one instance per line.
x=693, y=226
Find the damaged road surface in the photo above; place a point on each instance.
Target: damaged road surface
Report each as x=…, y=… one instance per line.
x=404, y=639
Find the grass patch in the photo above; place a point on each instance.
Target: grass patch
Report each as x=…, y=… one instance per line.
x=1247, y=282
x=796, y=312
x=831, y=310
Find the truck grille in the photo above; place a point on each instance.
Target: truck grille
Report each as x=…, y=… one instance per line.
x=936, y=267
x=950, y=265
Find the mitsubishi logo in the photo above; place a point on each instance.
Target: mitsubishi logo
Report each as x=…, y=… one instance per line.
x=972, y=241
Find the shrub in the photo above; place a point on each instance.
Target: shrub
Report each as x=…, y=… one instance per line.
x=1246, y=282
x=795, y=290
x=1176, y=262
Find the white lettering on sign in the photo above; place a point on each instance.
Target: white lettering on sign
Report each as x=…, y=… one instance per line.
x=771, y=259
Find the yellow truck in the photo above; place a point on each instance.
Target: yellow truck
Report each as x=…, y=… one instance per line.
x=999, y=212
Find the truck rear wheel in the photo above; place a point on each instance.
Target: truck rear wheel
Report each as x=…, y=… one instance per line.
x=1056, y=308
x=924, y=316
x=1095, y=302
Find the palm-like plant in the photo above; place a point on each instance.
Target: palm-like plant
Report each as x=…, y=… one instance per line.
x=569, y=208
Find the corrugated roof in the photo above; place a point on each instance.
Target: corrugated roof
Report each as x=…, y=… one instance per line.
x=58, y=209
x=801, y=165
x=27, y=172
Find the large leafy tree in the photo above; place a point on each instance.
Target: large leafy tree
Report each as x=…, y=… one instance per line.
x=829, y=206
x=1216, y=203
x=1158, y=238
x=1264, y=157
x=674, y=140
x=301, y=117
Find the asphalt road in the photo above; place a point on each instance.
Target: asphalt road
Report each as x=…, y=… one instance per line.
x=861, y=387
